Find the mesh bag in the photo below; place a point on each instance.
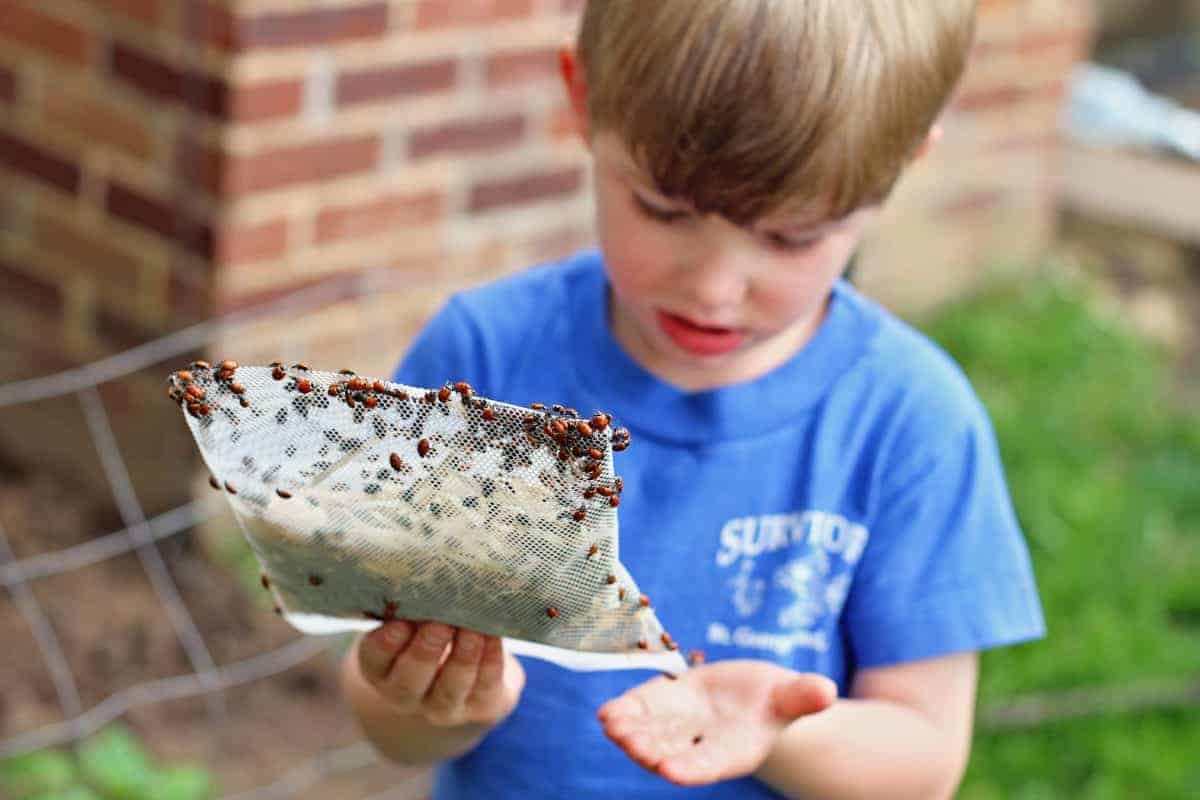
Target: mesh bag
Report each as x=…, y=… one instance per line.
x=365, y=501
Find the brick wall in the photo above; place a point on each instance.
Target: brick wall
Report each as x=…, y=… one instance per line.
x=982, y=202
x=167, y=160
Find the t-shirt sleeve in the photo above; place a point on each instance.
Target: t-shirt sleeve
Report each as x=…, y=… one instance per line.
x=448, y=348
x=946, y=568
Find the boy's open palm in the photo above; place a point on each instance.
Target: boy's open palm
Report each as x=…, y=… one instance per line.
x=449, y=676
x=715, y=722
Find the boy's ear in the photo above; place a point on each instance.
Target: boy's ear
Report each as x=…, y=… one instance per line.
x=575, y=83
x=933, y=137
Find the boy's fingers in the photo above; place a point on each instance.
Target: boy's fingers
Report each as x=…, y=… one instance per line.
x=631, y=705
x=452, y=685
x=805, y=694
x=490, y=676
x=377, y=650
x=414, y=669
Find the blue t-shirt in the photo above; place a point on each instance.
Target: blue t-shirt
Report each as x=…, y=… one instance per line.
x=846, y=510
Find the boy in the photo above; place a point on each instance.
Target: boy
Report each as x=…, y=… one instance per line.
x=814, y=495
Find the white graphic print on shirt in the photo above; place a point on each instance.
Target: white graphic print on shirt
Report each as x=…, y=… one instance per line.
x=805, y=591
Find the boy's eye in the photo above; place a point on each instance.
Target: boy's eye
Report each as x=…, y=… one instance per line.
x=789, y=245
x=654, y=212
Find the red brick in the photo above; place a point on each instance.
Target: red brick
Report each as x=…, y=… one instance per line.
x=386, y=83
x=31, y=292
x=160, y=217
x=377, y=216
x=204, y=93
x=209, y=22
x=263, y=101
x=1072, y=40
x=152, y=75
x=340, y=286
x=201, y=164
x=1005, y=97
x=505, y=69
x=475, y=135
x=8, y=85
x=520, y=190
x=147, y=12
x=441, y=13
x=44, y=32
x=307, y=163
x=30, y=160
x=241, y=244
x=94, y=252
x=96, y=119
x=314, y=27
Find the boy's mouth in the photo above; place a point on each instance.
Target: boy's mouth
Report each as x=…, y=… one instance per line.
x=701, y=340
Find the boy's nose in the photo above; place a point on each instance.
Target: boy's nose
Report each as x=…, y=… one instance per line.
x=717, y=282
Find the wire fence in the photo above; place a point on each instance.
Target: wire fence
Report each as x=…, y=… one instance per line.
x=141, y=536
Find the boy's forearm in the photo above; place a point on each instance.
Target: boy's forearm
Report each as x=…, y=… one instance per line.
x=865, y=749
x=403, y=738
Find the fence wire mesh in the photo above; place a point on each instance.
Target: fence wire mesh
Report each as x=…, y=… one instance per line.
x=142, y=536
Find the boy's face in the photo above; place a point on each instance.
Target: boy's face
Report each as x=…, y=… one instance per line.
x=703, y=303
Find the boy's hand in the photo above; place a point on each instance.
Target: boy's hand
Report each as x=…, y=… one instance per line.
x=449, y=676
x=715, y=722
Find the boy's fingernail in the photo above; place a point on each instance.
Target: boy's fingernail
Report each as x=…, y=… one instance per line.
x=396, y=634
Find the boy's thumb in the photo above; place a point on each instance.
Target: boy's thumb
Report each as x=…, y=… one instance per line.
x=802, y=695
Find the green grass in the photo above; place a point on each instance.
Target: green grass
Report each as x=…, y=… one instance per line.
x=110, y=765
x=1104, y=468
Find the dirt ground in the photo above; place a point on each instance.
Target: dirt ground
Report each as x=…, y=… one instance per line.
x=112, y=628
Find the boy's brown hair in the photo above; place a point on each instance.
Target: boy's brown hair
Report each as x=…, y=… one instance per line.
x=750, y=107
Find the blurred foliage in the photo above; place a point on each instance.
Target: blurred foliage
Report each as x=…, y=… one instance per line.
x=1104, y=468
x=111, y=765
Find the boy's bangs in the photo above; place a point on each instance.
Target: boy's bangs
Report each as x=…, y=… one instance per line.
x=746, y=108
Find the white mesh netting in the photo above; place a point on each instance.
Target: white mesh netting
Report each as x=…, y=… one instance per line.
x=365, y=500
